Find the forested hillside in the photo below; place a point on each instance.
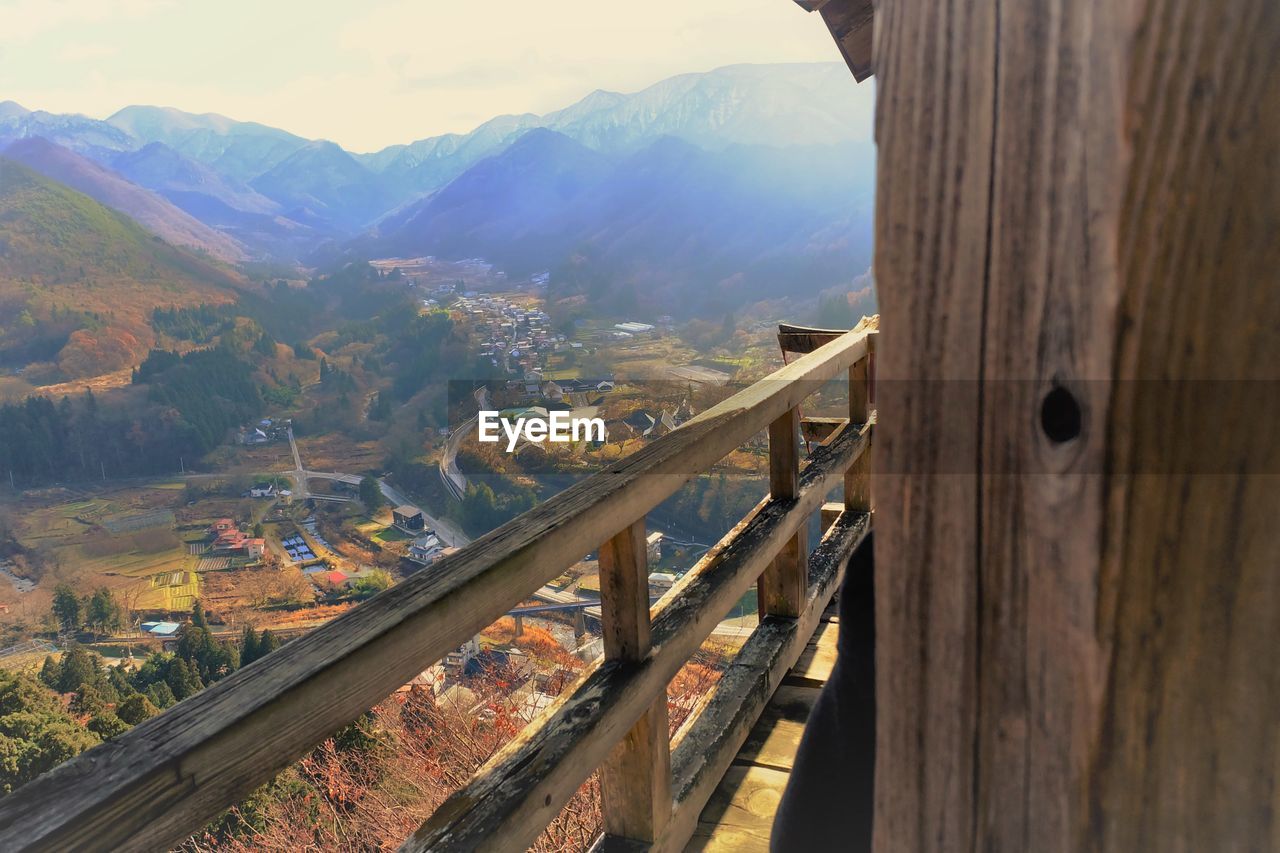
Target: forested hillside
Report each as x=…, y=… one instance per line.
x=78, y=281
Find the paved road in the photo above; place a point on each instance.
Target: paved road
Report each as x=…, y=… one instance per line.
x=455, y=482
x=449, y=532
x=450, y=474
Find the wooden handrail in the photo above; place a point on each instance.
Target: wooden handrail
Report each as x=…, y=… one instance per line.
x=169, y=775
x=519, y=791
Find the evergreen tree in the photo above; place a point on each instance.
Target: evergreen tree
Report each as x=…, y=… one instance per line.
x=248, y=646
x=107, y=725
x=102, y=612
x=161, y=695
x=50, y=673
x=87, y=701
x=371, y=494
x=66, y=607
x=265, y=346
x=182, y=680
x=197, y=615
x=267, y=643
x=36, y=734
x=135, y=709
x=118, y=678
x=79, y=667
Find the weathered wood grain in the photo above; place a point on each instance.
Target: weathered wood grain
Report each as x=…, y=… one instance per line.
x=805, y=339
x=1077, y=199
x=522, y=787
x=828, y=513
x=816, y=429
x=857, y=484
x=851, y=23
x=741, y=812
x=935, y=89
x=705, y=747
x=775, y=737
x=818, y=658
x=781, y=588
x=168, y=776
x=1184, y=757
x=635, y=780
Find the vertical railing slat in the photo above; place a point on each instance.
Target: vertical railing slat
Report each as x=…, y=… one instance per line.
x=635, y=782
x=857, y=483
x=781, y=589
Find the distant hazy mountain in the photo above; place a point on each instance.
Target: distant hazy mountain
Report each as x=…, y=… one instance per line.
x=428, y=164
x=12, y=110
x=78, y=133
x=78, y=281
x=283, y=195
x=222, y=202
x=323, y=180
x=237, y=149
x=173, y=174
x=153, y=212
x=510, y=206
x=779, y=105
x=671, y=223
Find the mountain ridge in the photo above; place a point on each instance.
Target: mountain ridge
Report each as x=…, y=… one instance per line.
x=78, y=280
x=284, y=195
x=150, y=210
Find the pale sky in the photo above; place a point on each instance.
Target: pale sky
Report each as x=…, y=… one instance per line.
x=370, y=73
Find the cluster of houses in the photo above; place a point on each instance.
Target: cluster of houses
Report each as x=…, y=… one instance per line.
x=651, y=424
x=427, y=547
x=514, y=338
x=264, y=431
x=226, y=538
x=561, y=390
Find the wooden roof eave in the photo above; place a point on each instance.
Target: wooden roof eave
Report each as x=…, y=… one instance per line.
x=852, y=24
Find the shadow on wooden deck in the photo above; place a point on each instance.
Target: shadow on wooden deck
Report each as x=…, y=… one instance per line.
x=831, y=808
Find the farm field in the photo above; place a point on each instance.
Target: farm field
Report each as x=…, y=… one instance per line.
x=337, y=452
x=132, y=539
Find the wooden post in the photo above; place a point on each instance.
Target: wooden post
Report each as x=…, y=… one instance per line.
x=857, y=485
x=635, y=782
x=781, y=589
x=1076, y=584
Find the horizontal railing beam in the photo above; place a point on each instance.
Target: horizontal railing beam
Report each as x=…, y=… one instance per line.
x=168, y=776
x=522, y=788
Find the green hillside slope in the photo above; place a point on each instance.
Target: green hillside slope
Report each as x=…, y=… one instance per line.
x=79, y=281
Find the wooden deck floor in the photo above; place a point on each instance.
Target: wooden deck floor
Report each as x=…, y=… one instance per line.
x=739, y=814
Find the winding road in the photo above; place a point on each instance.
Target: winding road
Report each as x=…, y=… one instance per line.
x=448, y=532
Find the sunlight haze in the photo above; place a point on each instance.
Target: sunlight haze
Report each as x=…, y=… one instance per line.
x=374, y=74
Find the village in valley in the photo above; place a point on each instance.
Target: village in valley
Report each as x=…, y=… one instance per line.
x=292, y=530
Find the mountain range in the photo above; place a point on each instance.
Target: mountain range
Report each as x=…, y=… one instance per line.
x=670, y=223
x=280, y=195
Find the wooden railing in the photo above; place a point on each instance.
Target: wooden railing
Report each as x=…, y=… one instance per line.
x=164, y=779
